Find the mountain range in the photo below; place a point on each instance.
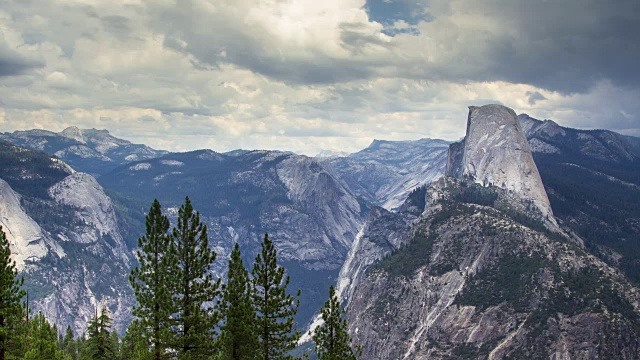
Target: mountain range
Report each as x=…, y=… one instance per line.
x=519, y=241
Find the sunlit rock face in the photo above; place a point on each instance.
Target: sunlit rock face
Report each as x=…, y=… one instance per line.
x=25, y=236
x=496, y=153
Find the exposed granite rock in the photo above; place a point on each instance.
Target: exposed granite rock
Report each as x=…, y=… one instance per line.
x=476, y=282
x=496, y=152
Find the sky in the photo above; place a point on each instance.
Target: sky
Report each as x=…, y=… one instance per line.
x=309, y=75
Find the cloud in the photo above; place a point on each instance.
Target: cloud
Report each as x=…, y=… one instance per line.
x=534, y=97
x=311, y=75
x=12, y=63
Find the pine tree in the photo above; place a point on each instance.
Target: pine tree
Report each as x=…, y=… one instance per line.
x=99, y=344
x=332, y=339
x=275, y=308
x=43, y=342
x=238, y=338
x=11, y=294
x=194, y=286
x=151, y=281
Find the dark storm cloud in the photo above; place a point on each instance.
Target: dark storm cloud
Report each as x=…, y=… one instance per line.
x=11, y=64
x=534, y=96
x=558, y=45
x=566, y=46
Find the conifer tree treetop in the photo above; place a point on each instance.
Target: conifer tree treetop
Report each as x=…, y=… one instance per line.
x=275, y=307
x=152, y=281
x=332, y=338
x=193, y=285
x=238, y=338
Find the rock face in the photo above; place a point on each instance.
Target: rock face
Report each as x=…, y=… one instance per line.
x=65, y=239
x=26, y=239
x=82, y=192
x=470, y=279
x=497, y=153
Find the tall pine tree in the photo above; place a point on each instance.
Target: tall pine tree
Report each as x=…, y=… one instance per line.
x=194, y=286
x=275, y=308
x=151, y=281
x=238, y=338
x=332, y=338
x=11, y=310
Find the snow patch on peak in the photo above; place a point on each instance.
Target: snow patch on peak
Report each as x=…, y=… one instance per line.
x=26, y=239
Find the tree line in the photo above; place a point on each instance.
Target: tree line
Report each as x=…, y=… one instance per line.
x=182, y=311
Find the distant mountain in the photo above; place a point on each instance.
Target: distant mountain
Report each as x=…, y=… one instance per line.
x=473, y=269
x=308, y=211
x=387, y=171
x=64, y=237
x=92, y=151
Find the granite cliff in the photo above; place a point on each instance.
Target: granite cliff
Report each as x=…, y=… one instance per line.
x=475, y=266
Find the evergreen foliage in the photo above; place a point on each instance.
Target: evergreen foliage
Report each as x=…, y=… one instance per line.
x=194, y=286
x=238, y=338
x=42, y=341
x=10, y=295
x=134, y=346
x=151, y=282
x=332, y=338
x=100, y=343
x=275, y=308
x=69, y=345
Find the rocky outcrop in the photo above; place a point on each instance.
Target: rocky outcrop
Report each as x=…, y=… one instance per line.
x=65, y=239
x=497, y=153
x=320, y=192
x=484, y=271
x=455, y=157
x=472, y=281
x=93, y=208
